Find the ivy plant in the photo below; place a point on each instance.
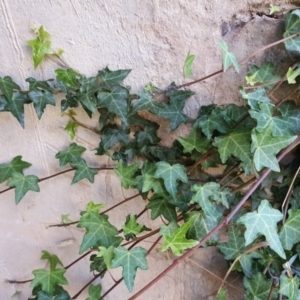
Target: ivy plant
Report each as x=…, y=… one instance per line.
x=247, y=143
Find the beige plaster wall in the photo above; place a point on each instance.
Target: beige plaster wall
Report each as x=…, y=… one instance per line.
x=150, y=37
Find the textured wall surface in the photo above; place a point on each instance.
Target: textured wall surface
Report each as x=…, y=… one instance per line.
x=152, y=38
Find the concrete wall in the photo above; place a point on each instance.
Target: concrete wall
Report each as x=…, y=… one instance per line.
x=150, y=37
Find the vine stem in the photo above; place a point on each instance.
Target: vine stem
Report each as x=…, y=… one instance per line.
x=223, y=223
x=91, y=281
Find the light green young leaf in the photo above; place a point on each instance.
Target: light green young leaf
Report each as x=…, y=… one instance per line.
x=17, y=165
x=289, y=286
x=229, y=58
x=265, y=147
x=187, y=68
x=52, y=258
x=194, y=141
x=292, y=26
x=107, y=254
x=94, y=292
x=40, y=100
x=71, y=155
x=126, y=174
x=23, y=184
x=70, y=128
x=8, y=87
x=178, y=242
x=170, y=175
x=263, y=222
x=65, y=219
x=130, y=260
x=290, y=231
x=274, y=9
x=91, y=206
x=99, y=232
x=291, y=75
x=222, y=294
x=83, y=171
x=132, y=228
x=68, y=77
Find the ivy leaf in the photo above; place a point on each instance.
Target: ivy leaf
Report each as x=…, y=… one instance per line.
x=265, y=147
x=52, y=258
x=40, y=100
x=201, y=225
x=70, y=155
x=107, y=254
x=257, y=287
x=292, y=26
x=69, y=77
x=38, y=85
x=59, y=294
x=170, y=175
x=290, y=231
x=146, y=102
x=132, y=228
x=292, y=74
x=17, y=165
x=126, y=174
x=65, y=219
x=237, y=143
x=41, y=46
x=115, y=101
x=7, y=87
x=222, y=294
x=235, y=246
x=70, y=128
x=168, y=229
x=91, y=206
x=263, y=221
x=16, y=106
x=187, y=68
x=99, y=232
x=229, y=58
x=94, y=292
x=161, y=206
x=178, y=241
x=130, y=260
x=111, y=78
x=289, y=286
x=97, y=264
x=23, y=184
x=256, y=97
x=48, y=279
x=147, y=135
x=291, y=113
x=194, y=141
x=274, y=9
x=83, y=171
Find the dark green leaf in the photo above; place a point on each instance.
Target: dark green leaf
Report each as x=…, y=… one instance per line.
x=38, y=85
x=194, y=141
x=105, y=116
x=292, y=26
x=70, y=155
x=99, y=232
x=146, y=102
x=23, y=184
x=291, y=113
x=130, y=260
x=40, y=100
x=52, y=259
x=7, y=87
x=98, y=265
x=111, y=78
x=147, y=135
x=83, y=171
x=126, y=173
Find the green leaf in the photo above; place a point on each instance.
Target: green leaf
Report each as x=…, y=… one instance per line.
x=235, y=246
x=292, y=74
x=112, y=78
x=187, y=68
x=290, y=231
x=17, y=165
x=258, y=287
x=222, y=294
x=70, y=128
x=147, y=135
x=115, y=101
x=263, y=221
x=107, y=254
x=70, y=155
x=83, y=171
x=168, y=229
x=132, y=228
x=41, y=46
x=146, y=102
x=256, y=97
x=265, y=147
x=97, y=264
x=23, y=184
x=91, y=206
x=8, y=87
x=229, y=58
x=40, y=100
x=161, y=206
x=289, y=286
x=178, y=242
x=52, y=258
x=94, y=292
x=126, y=174
x=291, y=112
x=292, y=26
x=38, y=85
x=16, y=106
x=69, y=77
x=99, y=232
x=48, y=279
x=274, y=9
x=194, y=141
x=65, y=219
x=237, y=143
x=130, y=260
x=170, y=175
x=59, y=294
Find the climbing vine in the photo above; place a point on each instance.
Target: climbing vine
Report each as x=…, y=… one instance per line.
x=256, y=198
